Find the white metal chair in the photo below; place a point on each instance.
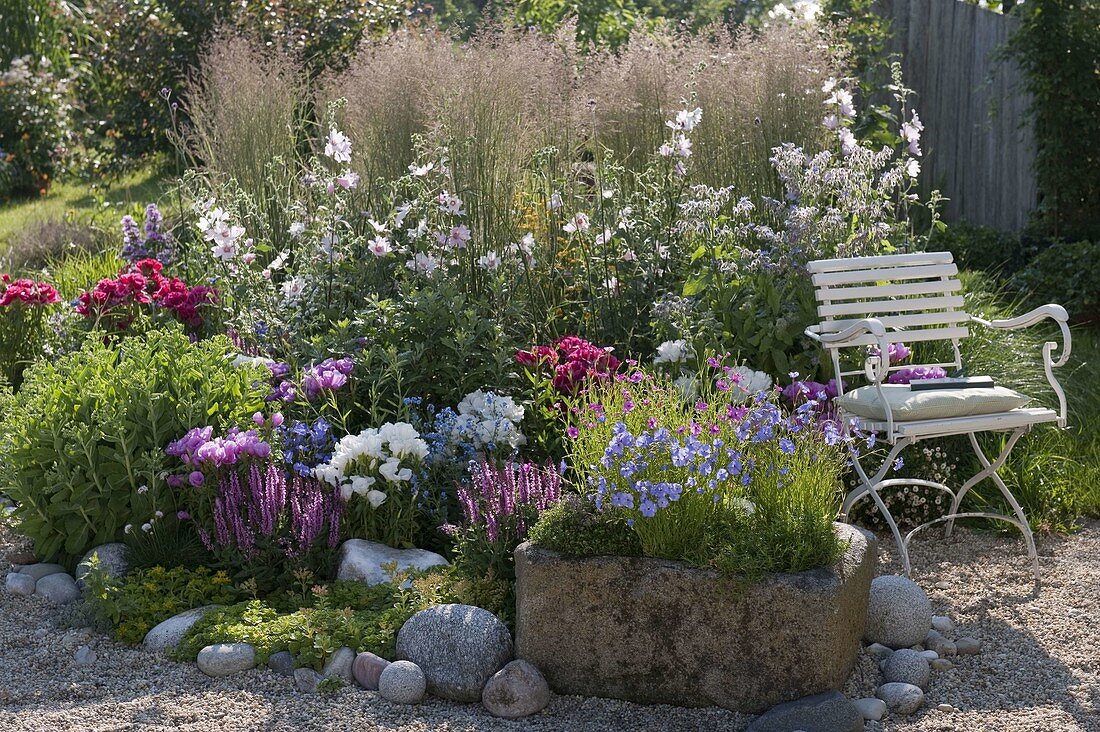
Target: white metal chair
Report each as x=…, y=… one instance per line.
x=871, y=302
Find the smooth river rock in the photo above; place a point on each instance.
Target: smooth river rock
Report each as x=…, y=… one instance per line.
x=901, y=698
x=169, y=633
x=899, y=612
x=60, y=588
x=20, y=584
x=367, y=668
x=42, y=569
x=112, y=559
x=458, y=647
x=908, y=667
x=517, y=690
x=226, y=659
x=827, y=712
x=402, y=682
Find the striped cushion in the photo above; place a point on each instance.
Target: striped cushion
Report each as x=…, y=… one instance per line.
x=911, y=406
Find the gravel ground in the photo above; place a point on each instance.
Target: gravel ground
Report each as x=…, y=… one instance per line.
x=1039, y=669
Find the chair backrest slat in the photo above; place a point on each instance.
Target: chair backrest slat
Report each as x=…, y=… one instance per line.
x=897, y=305
x=899, y=322
x=928, y=287
x=885, y=260
x=913, y=336
x=889, y=274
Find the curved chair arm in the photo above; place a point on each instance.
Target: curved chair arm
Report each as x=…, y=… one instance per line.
x=876, y=367
x=1058, y=314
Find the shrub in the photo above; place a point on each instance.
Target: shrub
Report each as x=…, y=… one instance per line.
x=35, y=126
x=84, y=438
x=982, y=248
x=134, y=604
x=1065, y=273
x=575, y=527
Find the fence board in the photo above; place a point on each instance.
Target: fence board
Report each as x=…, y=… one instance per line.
x=978, y=143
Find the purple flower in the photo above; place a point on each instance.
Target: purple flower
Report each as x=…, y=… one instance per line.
x=329, y=375
x=196, y=478
x=916, y=373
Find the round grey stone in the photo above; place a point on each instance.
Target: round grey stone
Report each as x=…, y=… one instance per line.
x=942, y=646
x=367, y=668
x=941, y=664
x=968, y=646
x=20, y=584
x=42, y=569
x=517, y=690
x=339, y=664
x=899, y=612
x=169, y=633
x=60, y=588
x=879, y=651
x=111, y=557
x=306, y=679
x=281, y=663
x=402, y=682
x=871, y=708
x=907, y=666
x=930, y=656
x=458, y=647
x=226, y=659
x=901, y=698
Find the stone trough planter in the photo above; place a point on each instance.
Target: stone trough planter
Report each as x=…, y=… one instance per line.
x=659, y=632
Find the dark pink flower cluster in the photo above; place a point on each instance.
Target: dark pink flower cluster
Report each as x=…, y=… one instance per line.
x=27, y=292
x=573, y=360
x=143, y=284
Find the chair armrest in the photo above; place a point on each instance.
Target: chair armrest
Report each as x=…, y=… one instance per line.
x=1058, y=314
x=871, y=326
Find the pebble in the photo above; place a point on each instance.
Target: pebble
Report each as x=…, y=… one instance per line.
x=945, y=708
x=941, y=664
x=84, y=656
x=226, y=659
x=871, y=708
x=929, y=655
x=339, y=664
x=899, y=612
x=367, y=668
x=901, y=698
x=879, y=651
x=907, y=667
x=942, y=585
x=306, y=680
x=517, y=690
x=968, y=646
x=38, y=571
x=20, y=584
x=943, y=624
x=58, y=588
x=942, y=646
x=281, y=663
x=402, y=682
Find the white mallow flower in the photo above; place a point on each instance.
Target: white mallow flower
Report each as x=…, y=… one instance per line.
x=380, y=246
x=686, y=119
x=912, y=167
x=296, y=229
x=672, y=352
x=293, y=288
x=225, y=251
x=338, y=146
x=419, y=171
x=577, y=223
x=489, y=260
x=423, y=264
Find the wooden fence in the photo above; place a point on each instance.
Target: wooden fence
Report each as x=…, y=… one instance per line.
x=978, y=142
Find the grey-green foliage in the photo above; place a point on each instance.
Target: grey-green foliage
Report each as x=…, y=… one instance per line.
x=83, y=440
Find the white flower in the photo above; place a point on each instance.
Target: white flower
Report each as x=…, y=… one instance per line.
x=419, y=171
x=296, y=229
x=293, y=288
x=347, y=180
x=848, y=142
x=842, y=98
x=224, y=251
x=392, y=471
x=159, y=514
x=489, y=260
x=212, y=218
x=241, y=360
x=338, y=146
x=831, y=122
x=749, y=383
x=451, y=204
x=744, y=504
x=577, y=223
x=604, y=237
x=688, y=386
x=672, y=352
x=380, y=246
x=665, y=151
x=910, y=132
x=912, y=168
x=555, y=201
x=829, y=85
x=400, y=213
x=376, y=498
x=686, y=119
x=142, y=489
x=459, y=237
x=127, y=528
x=423, y=264
x=146, y=527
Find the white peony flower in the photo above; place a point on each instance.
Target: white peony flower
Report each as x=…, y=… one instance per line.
x=672, y=352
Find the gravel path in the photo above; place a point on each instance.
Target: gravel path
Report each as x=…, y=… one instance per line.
x=1039, y=669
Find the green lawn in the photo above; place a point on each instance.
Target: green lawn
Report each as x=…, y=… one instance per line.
x=99, y=203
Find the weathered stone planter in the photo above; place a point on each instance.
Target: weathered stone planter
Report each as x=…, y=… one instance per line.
x=657, y=631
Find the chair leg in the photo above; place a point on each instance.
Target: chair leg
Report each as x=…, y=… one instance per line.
x=870, y=486
x=989, y=470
